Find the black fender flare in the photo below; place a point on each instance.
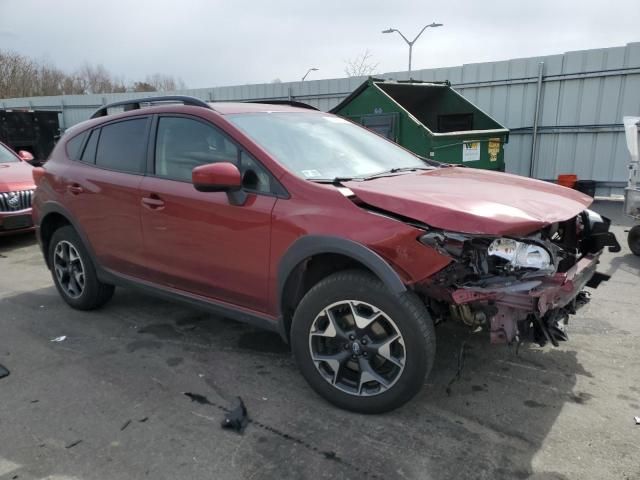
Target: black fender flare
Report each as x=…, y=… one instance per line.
x=311, y=245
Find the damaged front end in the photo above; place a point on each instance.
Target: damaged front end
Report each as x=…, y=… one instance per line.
x=519, y=288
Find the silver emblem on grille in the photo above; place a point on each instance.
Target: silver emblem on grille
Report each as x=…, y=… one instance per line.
x=13, y=201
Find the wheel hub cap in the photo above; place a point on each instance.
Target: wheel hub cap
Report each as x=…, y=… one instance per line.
x=69, y=269
x=357, y=348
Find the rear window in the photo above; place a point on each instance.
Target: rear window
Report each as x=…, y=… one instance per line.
x=123, y=145
x=74, y=145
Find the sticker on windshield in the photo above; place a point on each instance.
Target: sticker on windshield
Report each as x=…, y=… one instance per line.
x=311, y=173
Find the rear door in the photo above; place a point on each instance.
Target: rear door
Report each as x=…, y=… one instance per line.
x=103, y=194
x=198, y=242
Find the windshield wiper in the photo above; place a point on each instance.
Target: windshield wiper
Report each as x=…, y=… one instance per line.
x=334, y=179
x=396, y=170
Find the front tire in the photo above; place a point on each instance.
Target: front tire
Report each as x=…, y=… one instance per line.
x=360, y=346
x=74, y=273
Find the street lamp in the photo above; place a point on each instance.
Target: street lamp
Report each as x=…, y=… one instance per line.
x=313, y=69
x=410, y=43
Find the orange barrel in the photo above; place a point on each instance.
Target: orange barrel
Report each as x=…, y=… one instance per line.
x=567, y=180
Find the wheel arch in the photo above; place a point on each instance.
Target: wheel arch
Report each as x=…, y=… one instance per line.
x=312, y=258
x=52, y=216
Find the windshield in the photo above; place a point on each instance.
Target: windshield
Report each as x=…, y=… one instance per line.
x=324, y=147
x=6, y=155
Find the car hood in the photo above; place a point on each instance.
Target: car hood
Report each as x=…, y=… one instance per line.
x=16, y=176
x=472, y=201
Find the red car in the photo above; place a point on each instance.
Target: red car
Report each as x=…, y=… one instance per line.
x=299, y=221
x=16, y=191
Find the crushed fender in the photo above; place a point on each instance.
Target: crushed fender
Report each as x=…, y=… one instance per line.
x=236, y=419
x=3, y=372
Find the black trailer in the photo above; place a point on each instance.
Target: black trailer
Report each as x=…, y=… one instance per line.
x=35, y=131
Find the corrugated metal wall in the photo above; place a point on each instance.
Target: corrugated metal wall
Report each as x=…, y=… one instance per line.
x=584, y=96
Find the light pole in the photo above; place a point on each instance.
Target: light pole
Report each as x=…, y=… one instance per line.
x=312, y=69
x=410, y=43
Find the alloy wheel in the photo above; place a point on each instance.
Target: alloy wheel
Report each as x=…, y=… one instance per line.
x=357, y=348
x=69, y=269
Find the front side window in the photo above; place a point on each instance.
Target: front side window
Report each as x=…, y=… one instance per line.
x=122, y=146
x=7, y=156
x=324, y=147
x=183, y=144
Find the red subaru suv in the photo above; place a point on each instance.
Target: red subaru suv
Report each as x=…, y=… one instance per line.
x=301, y=222
x=16, y=191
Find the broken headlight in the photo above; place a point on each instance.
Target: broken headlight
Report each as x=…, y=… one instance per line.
x=521, y=255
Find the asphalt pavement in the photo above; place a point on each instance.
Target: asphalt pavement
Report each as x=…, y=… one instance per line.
x=108, y=401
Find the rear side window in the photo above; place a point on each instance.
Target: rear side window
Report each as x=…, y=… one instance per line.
x=122, y=146
x=89, y=154
x=74, y=145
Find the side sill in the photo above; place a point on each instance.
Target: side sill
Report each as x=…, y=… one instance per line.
x=218, y=308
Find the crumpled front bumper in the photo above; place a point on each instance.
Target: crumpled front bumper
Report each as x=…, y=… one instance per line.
x=516, y=302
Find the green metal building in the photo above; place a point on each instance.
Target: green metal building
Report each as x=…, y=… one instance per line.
x=430, y=119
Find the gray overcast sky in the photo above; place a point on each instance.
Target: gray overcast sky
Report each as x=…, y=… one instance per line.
x=216, y=42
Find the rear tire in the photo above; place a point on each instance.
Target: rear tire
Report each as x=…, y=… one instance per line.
x=634, y=240
x=360, y=346
x=74, y=273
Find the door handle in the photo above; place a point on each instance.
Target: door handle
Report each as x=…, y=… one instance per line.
x=75, y=189
x=153, y=202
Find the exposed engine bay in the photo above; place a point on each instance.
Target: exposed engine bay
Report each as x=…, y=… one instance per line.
x=518, y=289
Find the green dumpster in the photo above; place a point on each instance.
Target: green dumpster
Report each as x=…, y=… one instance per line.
x=430, y=119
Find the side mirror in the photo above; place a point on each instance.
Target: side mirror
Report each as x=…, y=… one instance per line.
x=26, y=156
x=220, y=177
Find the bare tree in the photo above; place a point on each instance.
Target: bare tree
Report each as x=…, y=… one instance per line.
x=21, y=76
x=164, y=83
x=17, y=75
x=142, y=87
x=361, y=65
x=95, y=78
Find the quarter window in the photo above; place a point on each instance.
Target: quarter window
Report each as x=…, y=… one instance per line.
x=74, y=145
x=89, y=154
x=183, y=144
x=122, y=146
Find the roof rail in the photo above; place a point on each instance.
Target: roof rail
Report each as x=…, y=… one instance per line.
x=134, y=104
x=291, y=103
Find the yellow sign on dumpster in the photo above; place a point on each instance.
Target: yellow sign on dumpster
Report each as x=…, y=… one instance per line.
x=494, y=149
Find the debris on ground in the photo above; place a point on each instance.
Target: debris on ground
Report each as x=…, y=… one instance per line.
x=3, y=372
x=59, y=339
x=236, y=419
x=637, y=419
x=73, y=444
x=143, y=419
x=196, y=397
x=461, y=357
x=125, y=425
